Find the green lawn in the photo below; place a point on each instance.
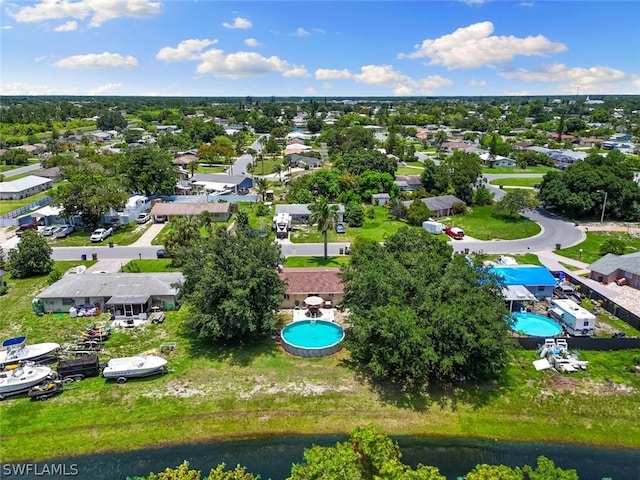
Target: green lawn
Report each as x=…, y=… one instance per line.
x=266, y=166
x=149, y=265
x=517, y=182
x=126, y=235
x=536, y=169
x=478, y=223
x=589, y=250
x=214, y=392
x=377, y=229
x=306, y=262
x=410, y=170
x=159, y=239
x=211, y=168
x=7, y=206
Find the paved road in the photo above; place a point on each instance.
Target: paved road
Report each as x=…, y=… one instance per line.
x=20, y=170
x=239, y=167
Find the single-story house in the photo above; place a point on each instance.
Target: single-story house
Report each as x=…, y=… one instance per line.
x=590, y=141
x=220, y=212
x=408, y=183
x=450, y=147
x=100, y=137
x=567, y=157
x=300, y=211
x=441, y=206
x=536, y=279
x=497, y=160
x=295, y=141
x=184, y=160
x=295, y=148
x=24, y=187
x=51, y=215
x=306, y=282
x=297, y=160
x=380, y=199
x=53, y=173
x=612, y=267
x=220, y=184
x=565, y=137
x=125, y=294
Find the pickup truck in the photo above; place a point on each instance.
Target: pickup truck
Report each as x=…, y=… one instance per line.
x=100, y=234
x=454, y=232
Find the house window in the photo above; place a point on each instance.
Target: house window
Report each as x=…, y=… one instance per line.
x=586, y=323
x=287, y=296
x=68, y=301
x=332, y=294
x=540, y=288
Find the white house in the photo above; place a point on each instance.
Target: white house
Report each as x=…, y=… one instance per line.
x=24, y=187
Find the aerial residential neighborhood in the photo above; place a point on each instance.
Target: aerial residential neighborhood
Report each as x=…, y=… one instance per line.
x=289, y=238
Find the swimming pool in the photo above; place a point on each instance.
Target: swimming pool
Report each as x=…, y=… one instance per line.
x=312, y=338
x=535, y=325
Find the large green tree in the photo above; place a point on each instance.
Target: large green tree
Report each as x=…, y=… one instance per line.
x=325, y=216
x=90, y=191
x=149, y=170
x=231, y=286
x=420, y=315
x=514, y=204
x=32, y=256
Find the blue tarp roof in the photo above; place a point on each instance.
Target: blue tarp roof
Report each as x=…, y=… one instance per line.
x=525, y=275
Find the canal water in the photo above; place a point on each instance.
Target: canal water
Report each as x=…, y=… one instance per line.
x=273, y=457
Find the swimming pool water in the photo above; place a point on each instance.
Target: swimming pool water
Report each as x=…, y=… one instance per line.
x=313, y=334
x=535, y=325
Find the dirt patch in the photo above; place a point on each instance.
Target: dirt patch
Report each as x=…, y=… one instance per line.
x=566, y=383
x=178, y=388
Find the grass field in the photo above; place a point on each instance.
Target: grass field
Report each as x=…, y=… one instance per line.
x=305, y=262
x=7, y=206
x=589, y=250
x=410, y=170
x=235, y=391
x=149, y=265
x=517, y=182
x=478, y=223
x=266, y=166
x=501, y=170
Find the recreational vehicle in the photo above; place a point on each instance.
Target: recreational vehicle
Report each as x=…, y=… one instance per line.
x=575, y=319
x=282, y=225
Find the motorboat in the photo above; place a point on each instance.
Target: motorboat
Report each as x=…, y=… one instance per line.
x=16, y=350
x=142, y=365
x=22, y=378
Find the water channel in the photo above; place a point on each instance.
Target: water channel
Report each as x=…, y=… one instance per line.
x=273, y=457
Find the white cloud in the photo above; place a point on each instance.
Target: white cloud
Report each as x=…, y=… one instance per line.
x=330, y=74
x=474, y=46
x=386, y=76
x=301, y=32
x=102, y=89
x=67, y=26
x=238, y=22
x=246, y=64
x=319, y=30
x=310, y=91
x=478, y=83
x=527, y=4
x=473, y=2
x=186, y=50
x=251, y=42
x=19, y=88
x=517, y=93
x=98, y=60
x=598, y=79
x=98, y=11
x=6, y=27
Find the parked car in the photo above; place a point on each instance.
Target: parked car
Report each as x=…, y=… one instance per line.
x=100, y=234
x=114, y=225
x=143, y=217
x=24, y=227
x=63, y=231
x=50, y=230
x=162, y=253
x=340, y=228
x=160, y=218
x=454, y=232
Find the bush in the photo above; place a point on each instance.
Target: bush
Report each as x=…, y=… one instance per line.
x=54, y=276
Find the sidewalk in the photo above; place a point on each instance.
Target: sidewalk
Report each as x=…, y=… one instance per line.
x=147, y=237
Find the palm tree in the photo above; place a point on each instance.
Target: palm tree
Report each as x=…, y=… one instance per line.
x=324, y=215
x=441, y=137
x=193, y=167
x=396, y=208
x=262, y=184
x=277, y=168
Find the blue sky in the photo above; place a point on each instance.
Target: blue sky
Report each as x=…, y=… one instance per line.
x=319, y=48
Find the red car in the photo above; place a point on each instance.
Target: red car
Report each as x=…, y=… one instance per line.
x=24, y=227
x=454, y=232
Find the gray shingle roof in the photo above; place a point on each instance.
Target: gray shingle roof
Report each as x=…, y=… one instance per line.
x=435, y=204
x=610, y=263
x=110, y=284
x=218, y=178
x=299, y=208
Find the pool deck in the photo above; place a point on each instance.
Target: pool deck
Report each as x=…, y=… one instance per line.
x=325, y=314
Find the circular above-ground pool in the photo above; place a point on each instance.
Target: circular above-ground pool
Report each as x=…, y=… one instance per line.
x=312, y=338
x=535, y=325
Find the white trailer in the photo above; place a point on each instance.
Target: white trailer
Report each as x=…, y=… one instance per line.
x=282, y=225
x=433, y=227
x=575, y=319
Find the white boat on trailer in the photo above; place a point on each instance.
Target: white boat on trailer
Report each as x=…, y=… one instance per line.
x=22, y=378
x=15, y=350
x=121, y=369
